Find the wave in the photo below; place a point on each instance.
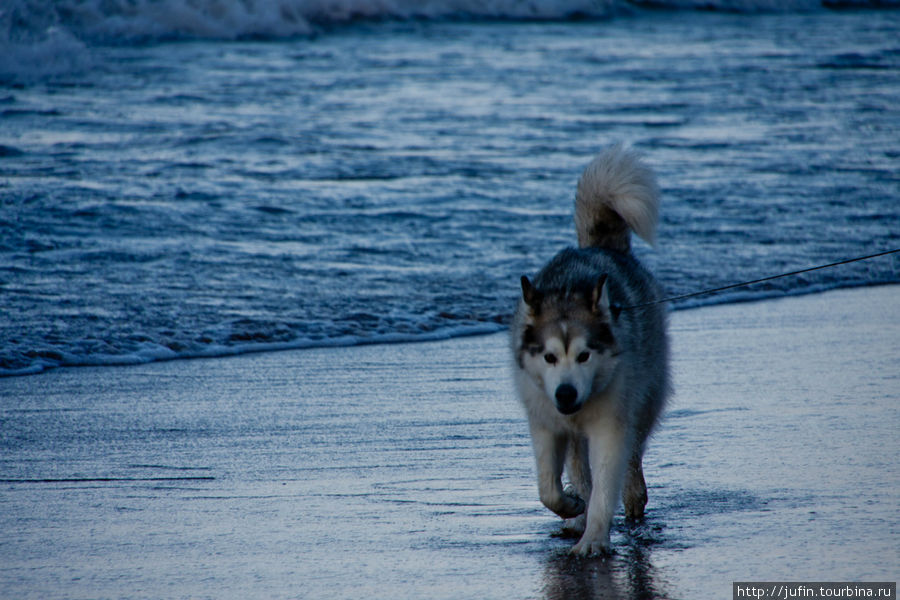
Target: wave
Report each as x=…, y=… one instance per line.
x=148, y=352
x=125, y=21
x=142, y=20
x=77, y=354
x=39, y=41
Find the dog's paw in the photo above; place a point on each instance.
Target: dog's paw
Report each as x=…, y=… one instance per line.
x=570, y=506
x=575, y=527
x=597, y=547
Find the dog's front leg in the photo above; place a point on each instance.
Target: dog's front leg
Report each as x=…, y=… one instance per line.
x=606, y=448
x=550, y=454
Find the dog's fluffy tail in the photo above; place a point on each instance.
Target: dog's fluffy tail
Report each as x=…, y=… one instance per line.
x=616, y=194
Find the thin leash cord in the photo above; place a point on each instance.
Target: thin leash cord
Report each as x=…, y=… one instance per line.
x=746, y=283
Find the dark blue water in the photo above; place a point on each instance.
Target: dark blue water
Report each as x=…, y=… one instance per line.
x=391, y=180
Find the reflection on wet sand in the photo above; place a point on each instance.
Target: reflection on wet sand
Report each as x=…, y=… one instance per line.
x=626, y=575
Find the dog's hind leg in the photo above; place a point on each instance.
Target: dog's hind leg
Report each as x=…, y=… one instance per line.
x=634, y=496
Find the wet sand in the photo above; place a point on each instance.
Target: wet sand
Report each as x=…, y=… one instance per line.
x=405, y=471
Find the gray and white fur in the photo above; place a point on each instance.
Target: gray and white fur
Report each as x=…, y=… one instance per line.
x=593, y=378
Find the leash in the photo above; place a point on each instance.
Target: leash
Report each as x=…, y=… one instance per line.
x=618, y=307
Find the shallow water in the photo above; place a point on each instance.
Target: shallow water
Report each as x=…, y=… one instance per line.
x=405, y=471
x=392, y=181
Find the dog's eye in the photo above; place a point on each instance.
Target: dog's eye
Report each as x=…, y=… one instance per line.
x=550, y=358
x=583, y=357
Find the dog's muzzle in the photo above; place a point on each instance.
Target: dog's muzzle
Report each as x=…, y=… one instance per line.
x=567, y=399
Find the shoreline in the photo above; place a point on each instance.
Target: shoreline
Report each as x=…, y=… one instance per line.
x=405, y=470
x=162, y=354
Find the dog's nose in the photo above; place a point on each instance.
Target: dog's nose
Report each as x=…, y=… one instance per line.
x=566, y=395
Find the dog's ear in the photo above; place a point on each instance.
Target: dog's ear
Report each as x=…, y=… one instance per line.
x=531, y=295
x=600, y=299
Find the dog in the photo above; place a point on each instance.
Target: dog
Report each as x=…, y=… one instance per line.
x=591, y=354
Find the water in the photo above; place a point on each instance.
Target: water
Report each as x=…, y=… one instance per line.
x=290, y=179
x=376, y=472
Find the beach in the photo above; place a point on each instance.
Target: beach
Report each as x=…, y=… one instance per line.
x=258, y=258
x=405, y=470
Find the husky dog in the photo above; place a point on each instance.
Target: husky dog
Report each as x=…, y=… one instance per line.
x=591, y=356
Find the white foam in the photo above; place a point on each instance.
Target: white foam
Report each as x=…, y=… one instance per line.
x=120, y=20
x=37, y=40
x=56, y=52
x=150, y=352
x=741, y=6
x=127, y=20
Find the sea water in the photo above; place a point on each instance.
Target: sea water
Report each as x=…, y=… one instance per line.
x=217, y=177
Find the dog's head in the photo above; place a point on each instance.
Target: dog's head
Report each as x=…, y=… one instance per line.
x=566, y=343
